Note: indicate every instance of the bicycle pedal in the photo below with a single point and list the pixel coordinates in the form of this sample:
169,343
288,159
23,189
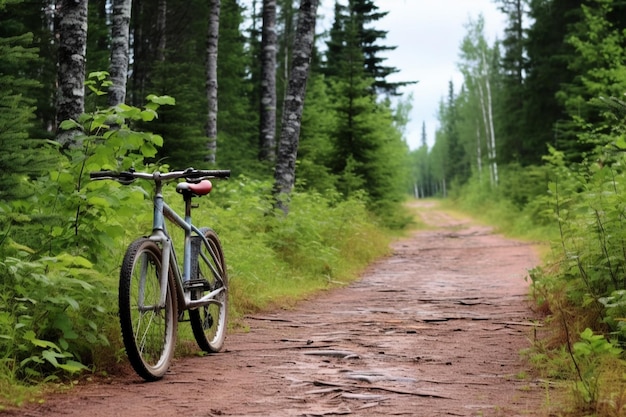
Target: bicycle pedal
198,284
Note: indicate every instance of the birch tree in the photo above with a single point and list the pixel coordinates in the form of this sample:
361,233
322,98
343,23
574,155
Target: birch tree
477,57
120,40
211,79
72,33
269,43
284,174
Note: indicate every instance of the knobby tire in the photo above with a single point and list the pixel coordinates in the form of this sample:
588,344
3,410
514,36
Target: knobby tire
148,331
209,322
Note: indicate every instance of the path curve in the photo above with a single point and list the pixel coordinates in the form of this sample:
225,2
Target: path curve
433,330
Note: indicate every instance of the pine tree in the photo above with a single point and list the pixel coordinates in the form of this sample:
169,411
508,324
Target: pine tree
599,41
38,18
238,116
21,157
512,99
361,15
549,57
180,73
316,146
457,164
366,140
366,13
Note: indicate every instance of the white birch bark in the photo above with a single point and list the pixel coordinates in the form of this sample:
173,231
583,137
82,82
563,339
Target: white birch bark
269,45
483,109
72,35
492,135
479,153
211,80
285,172
120,39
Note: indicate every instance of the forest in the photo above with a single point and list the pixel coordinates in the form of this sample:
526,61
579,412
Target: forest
313,133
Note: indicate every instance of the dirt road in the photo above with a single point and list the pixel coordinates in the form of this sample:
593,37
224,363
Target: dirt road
434,330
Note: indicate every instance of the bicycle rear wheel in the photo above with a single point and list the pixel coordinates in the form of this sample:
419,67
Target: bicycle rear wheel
209,322
148,329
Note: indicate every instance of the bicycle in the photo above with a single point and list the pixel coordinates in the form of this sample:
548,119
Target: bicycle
155,292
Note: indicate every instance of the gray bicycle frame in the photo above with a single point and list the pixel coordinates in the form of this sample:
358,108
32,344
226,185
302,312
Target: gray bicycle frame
159,235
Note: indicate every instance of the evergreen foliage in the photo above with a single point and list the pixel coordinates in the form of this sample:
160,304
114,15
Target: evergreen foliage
22,157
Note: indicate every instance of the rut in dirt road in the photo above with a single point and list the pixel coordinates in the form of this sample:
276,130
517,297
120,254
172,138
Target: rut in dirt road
433,330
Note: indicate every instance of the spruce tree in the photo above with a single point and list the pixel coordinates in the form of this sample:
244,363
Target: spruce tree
181,73
548,67
21,157
513,65
599,41
238,117
366,141
362,15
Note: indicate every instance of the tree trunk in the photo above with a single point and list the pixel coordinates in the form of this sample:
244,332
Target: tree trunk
492,137
492,134
284,174
479,153
161,26
269,44
120,39
211,79
72,33
483,109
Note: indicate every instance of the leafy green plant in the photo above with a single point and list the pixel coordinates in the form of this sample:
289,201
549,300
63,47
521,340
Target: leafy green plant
49,315
59,247
615,312
588,355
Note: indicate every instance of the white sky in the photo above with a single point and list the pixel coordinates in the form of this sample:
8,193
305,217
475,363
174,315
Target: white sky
428,35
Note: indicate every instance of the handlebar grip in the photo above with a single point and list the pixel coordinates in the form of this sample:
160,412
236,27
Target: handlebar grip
217,173
122,177
102,174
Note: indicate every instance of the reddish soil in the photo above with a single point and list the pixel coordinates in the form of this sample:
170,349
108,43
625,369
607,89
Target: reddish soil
433,330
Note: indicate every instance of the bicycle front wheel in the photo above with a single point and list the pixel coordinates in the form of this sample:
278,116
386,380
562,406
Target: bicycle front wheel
148,326
209,322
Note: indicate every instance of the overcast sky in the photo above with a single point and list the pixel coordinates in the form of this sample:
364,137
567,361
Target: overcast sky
428,35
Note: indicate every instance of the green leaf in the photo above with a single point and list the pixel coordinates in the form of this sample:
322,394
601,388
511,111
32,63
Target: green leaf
51,356
72,366
148,115
98,201
69,125
30,336
162,100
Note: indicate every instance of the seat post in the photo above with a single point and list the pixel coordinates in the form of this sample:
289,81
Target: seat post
188,206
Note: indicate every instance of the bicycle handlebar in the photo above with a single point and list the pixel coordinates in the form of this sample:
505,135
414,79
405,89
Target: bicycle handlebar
127,177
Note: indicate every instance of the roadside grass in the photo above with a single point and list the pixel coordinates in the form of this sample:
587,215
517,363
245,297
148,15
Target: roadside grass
584,373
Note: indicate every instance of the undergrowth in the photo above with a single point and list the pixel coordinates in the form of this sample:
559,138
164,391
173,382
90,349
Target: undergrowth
61,249
580,286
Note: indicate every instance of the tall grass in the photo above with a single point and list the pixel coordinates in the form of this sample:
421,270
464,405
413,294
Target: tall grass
275,260
580,287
